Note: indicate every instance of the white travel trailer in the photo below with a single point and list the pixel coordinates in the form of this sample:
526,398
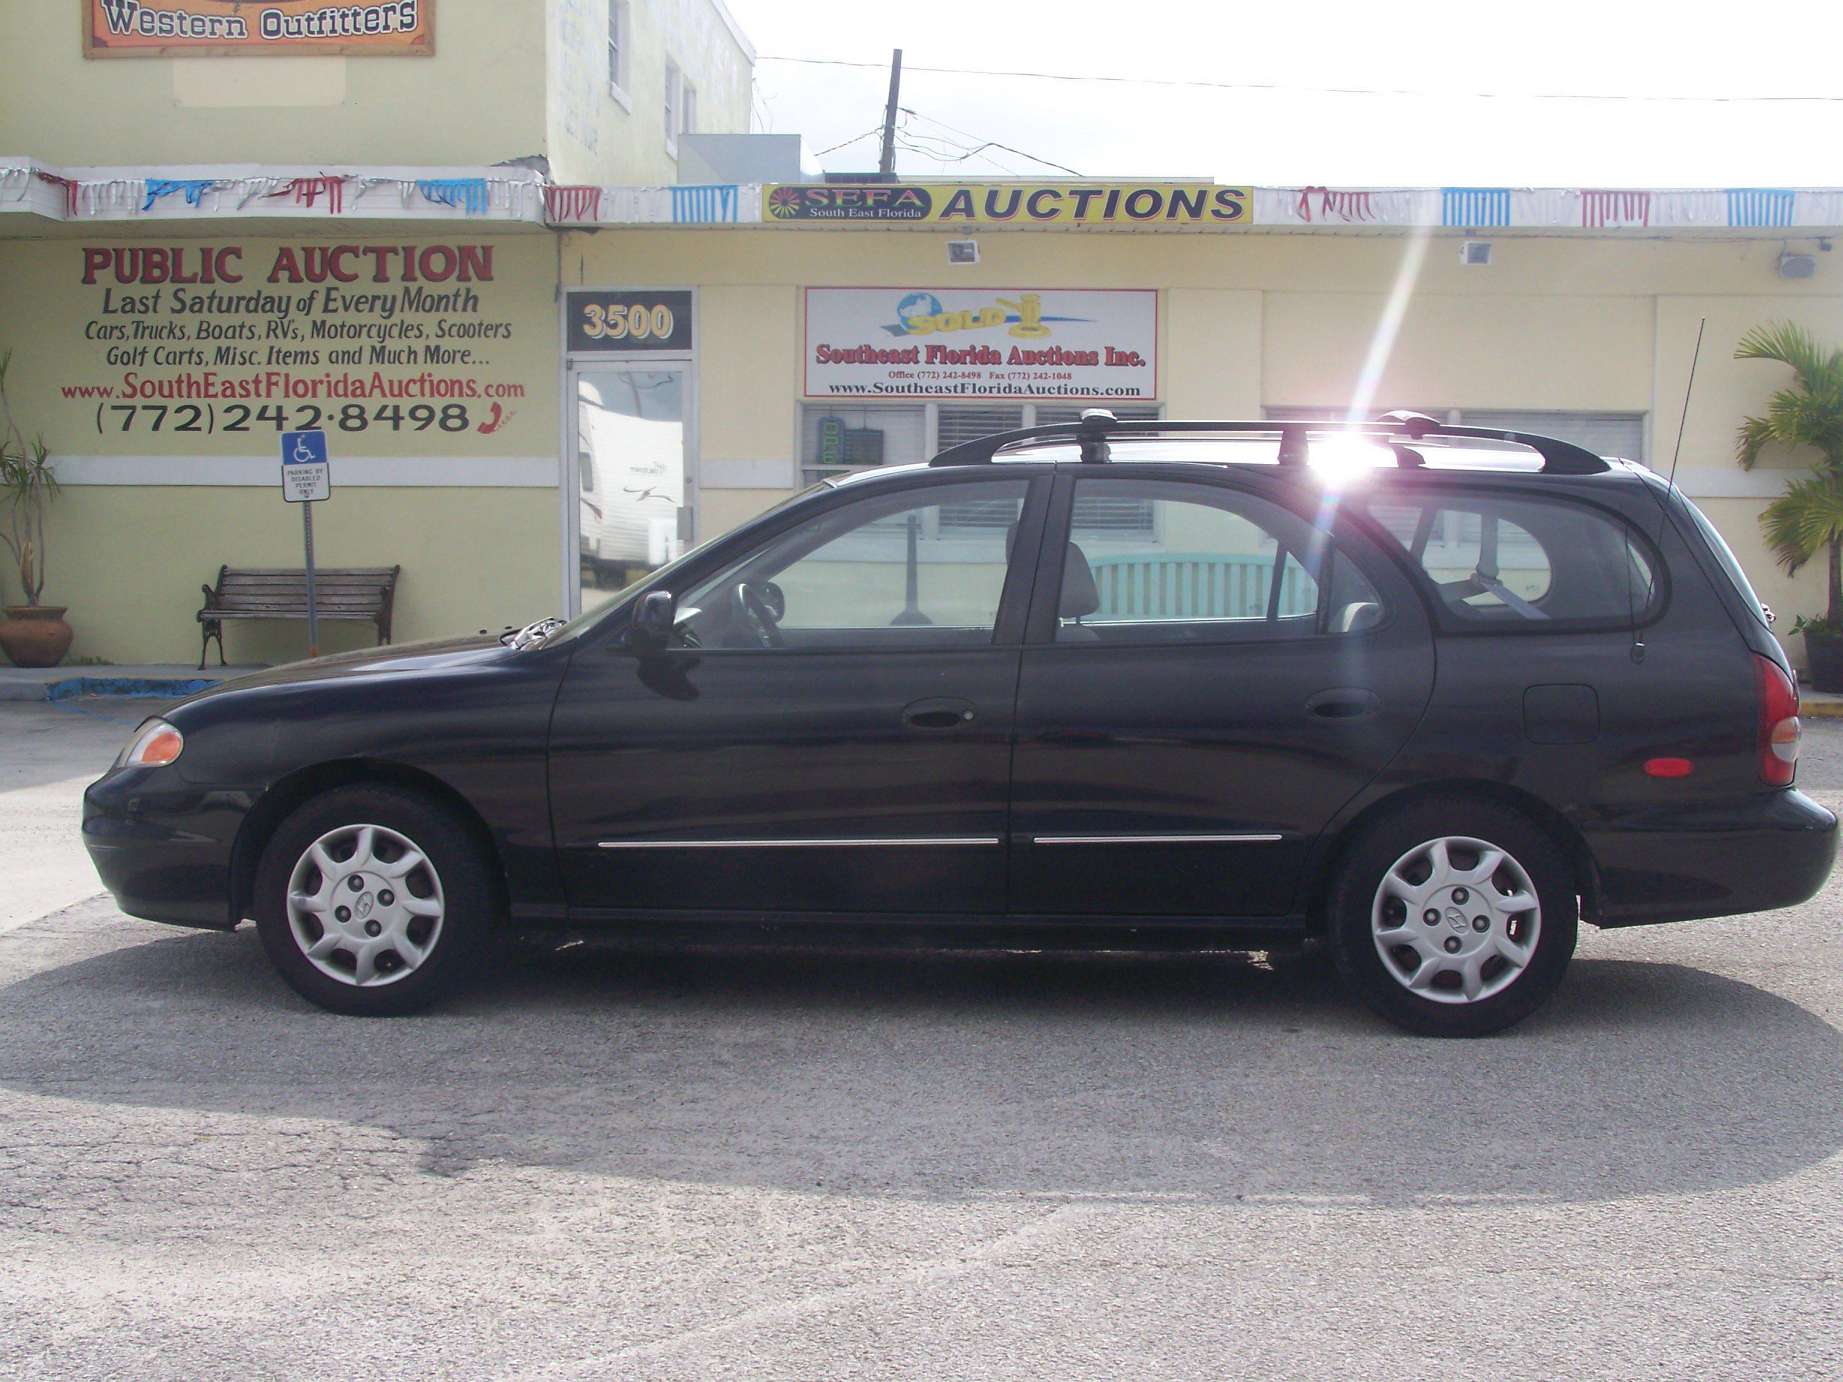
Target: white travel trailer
631,470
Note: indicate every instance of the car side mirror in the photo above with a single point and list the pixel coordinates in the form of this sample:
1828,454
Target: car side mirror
654,621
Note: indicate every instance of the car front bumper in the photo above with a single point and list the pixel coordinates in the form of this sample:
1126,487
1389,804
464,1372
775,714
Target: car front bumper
1774,850
164,846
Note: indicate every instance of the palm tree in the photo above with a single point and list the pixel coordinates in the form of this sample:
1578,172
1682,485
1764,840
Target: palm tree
1808,517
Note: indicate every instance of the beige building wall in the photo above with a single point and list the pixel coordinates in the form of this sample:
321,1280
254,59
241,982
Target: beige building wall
129,561
1462,352
1263,321
478,100
1247,322
149,512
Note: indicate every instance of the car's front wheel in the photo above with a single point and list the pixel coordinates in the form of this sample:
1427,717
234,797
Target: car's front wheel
1453,918
373,900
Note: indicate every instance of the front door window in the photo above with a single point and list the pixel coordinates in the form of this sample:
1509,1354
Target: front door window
908,570
632,514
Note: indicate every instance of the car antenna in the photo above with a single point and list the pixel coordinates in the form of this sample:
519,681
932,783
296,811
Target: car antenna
1670,486
1676,452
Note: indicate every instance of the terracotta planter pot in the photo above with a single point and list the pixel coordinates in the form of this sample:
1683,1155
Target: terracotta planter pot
35,635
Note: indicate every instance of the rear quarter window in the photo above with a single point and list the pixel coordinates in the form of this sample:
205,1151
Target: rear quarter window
1512,562
1726,560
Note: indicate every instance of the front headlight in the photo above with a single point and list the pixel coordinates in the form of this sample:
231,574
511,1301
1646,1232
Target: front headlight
155,744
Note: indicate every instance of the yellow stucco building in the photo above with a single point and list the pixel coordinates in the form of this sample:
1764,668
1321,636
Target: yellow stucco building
545,362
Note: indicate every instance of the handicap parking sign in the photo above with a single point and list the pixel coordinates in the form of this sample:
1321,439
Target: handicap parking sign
307,473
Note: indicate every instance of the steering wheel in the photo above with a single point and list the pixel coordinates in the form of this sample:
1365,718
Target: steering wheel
758,614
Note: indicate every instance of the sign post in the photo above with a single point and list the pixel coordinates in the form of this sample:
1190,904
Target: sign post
307,478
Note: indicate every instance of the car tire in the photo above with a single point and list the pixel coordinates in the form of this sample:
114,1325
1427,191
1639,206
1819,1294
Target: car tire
374,901
1470,958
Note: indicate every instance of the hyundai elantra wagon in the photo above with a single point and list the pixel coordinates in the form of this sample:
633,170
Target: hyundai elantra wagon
1428,695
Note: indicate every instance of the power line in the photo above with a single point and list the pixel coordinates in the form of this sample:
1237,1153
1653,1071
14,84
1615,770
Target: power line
874,129
944,150
932,120
961,152
968,151
903,142
994,144
1322,90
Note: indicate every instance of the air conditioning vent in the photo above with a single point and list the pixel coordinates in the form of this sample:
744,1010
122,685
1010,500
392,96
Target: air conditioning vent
1475,253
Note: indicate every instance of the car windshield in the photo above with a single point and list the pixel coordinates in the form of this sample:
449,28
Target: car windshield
592,618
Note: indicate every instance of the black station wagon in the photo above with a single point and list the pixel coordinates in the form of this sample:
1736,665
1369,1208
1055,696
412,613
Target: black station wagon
1429,695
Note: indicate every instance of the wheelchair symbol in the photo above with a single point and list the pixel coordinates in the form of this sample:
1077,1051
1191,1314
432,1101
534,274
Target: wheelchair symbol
302,451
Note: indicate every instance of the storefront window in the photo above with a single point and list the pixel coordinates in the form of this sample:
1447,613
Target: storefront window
837,439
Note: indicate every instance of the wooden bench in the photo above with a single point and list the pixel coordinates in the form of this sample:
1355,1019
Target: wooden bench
353,593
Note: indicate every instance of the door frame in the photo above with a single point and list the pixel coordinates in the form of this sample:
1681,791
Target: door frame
573,366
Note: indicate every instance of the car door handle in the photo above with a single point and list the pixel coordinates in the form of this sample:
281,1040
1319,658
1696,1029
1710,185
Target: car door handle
1343,703
939,713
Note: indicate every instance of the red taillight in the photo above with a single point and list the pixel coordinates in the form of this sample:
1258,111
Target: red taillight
1779,729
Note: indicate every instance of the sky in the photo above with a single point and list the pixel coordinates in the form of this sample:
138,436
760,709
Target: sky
1483,83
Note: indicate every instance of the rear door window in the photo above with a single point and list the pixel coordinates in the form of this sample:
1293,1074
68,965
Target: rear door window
1162,561
1514,562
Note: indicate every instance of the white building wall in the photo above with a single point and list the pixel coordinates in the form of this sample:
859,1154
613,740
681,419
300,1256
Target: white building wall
610,134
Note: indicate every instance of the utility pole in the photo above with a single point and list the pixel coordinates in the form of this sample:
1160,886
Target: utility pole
887,166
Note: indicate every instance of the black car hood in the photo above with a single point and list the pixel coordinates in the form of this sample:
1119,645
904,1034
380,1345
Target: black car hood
434,655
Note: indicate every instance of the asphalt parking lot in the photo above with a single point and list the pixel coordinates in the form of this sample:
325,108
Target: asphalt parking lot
607,1165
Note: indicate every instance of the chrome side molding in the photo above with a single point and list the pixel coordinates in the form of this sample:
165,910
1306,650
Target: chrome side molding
912,842
1156,839
952,841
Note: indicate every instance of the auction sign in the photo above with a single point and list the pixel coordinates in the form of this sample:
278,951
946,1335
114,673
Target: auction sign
1021,343
212,347
244,28
1198,204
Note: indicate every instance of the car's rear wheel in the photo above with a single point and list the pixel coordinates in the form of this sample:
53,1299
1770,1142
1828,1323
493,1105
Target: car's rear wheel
373,900
1453,917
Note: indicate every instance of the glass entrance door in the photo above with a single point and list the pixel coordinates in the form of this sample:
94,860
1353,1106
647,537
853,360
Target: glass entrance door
634,506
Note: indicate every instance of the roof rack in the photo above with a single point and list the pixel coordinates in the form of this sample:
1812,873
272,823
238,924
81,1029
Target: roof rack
1391,429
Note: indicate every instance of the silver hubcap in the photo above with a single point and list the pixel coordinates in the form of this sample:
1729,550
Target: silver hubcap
1456,920
365,905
